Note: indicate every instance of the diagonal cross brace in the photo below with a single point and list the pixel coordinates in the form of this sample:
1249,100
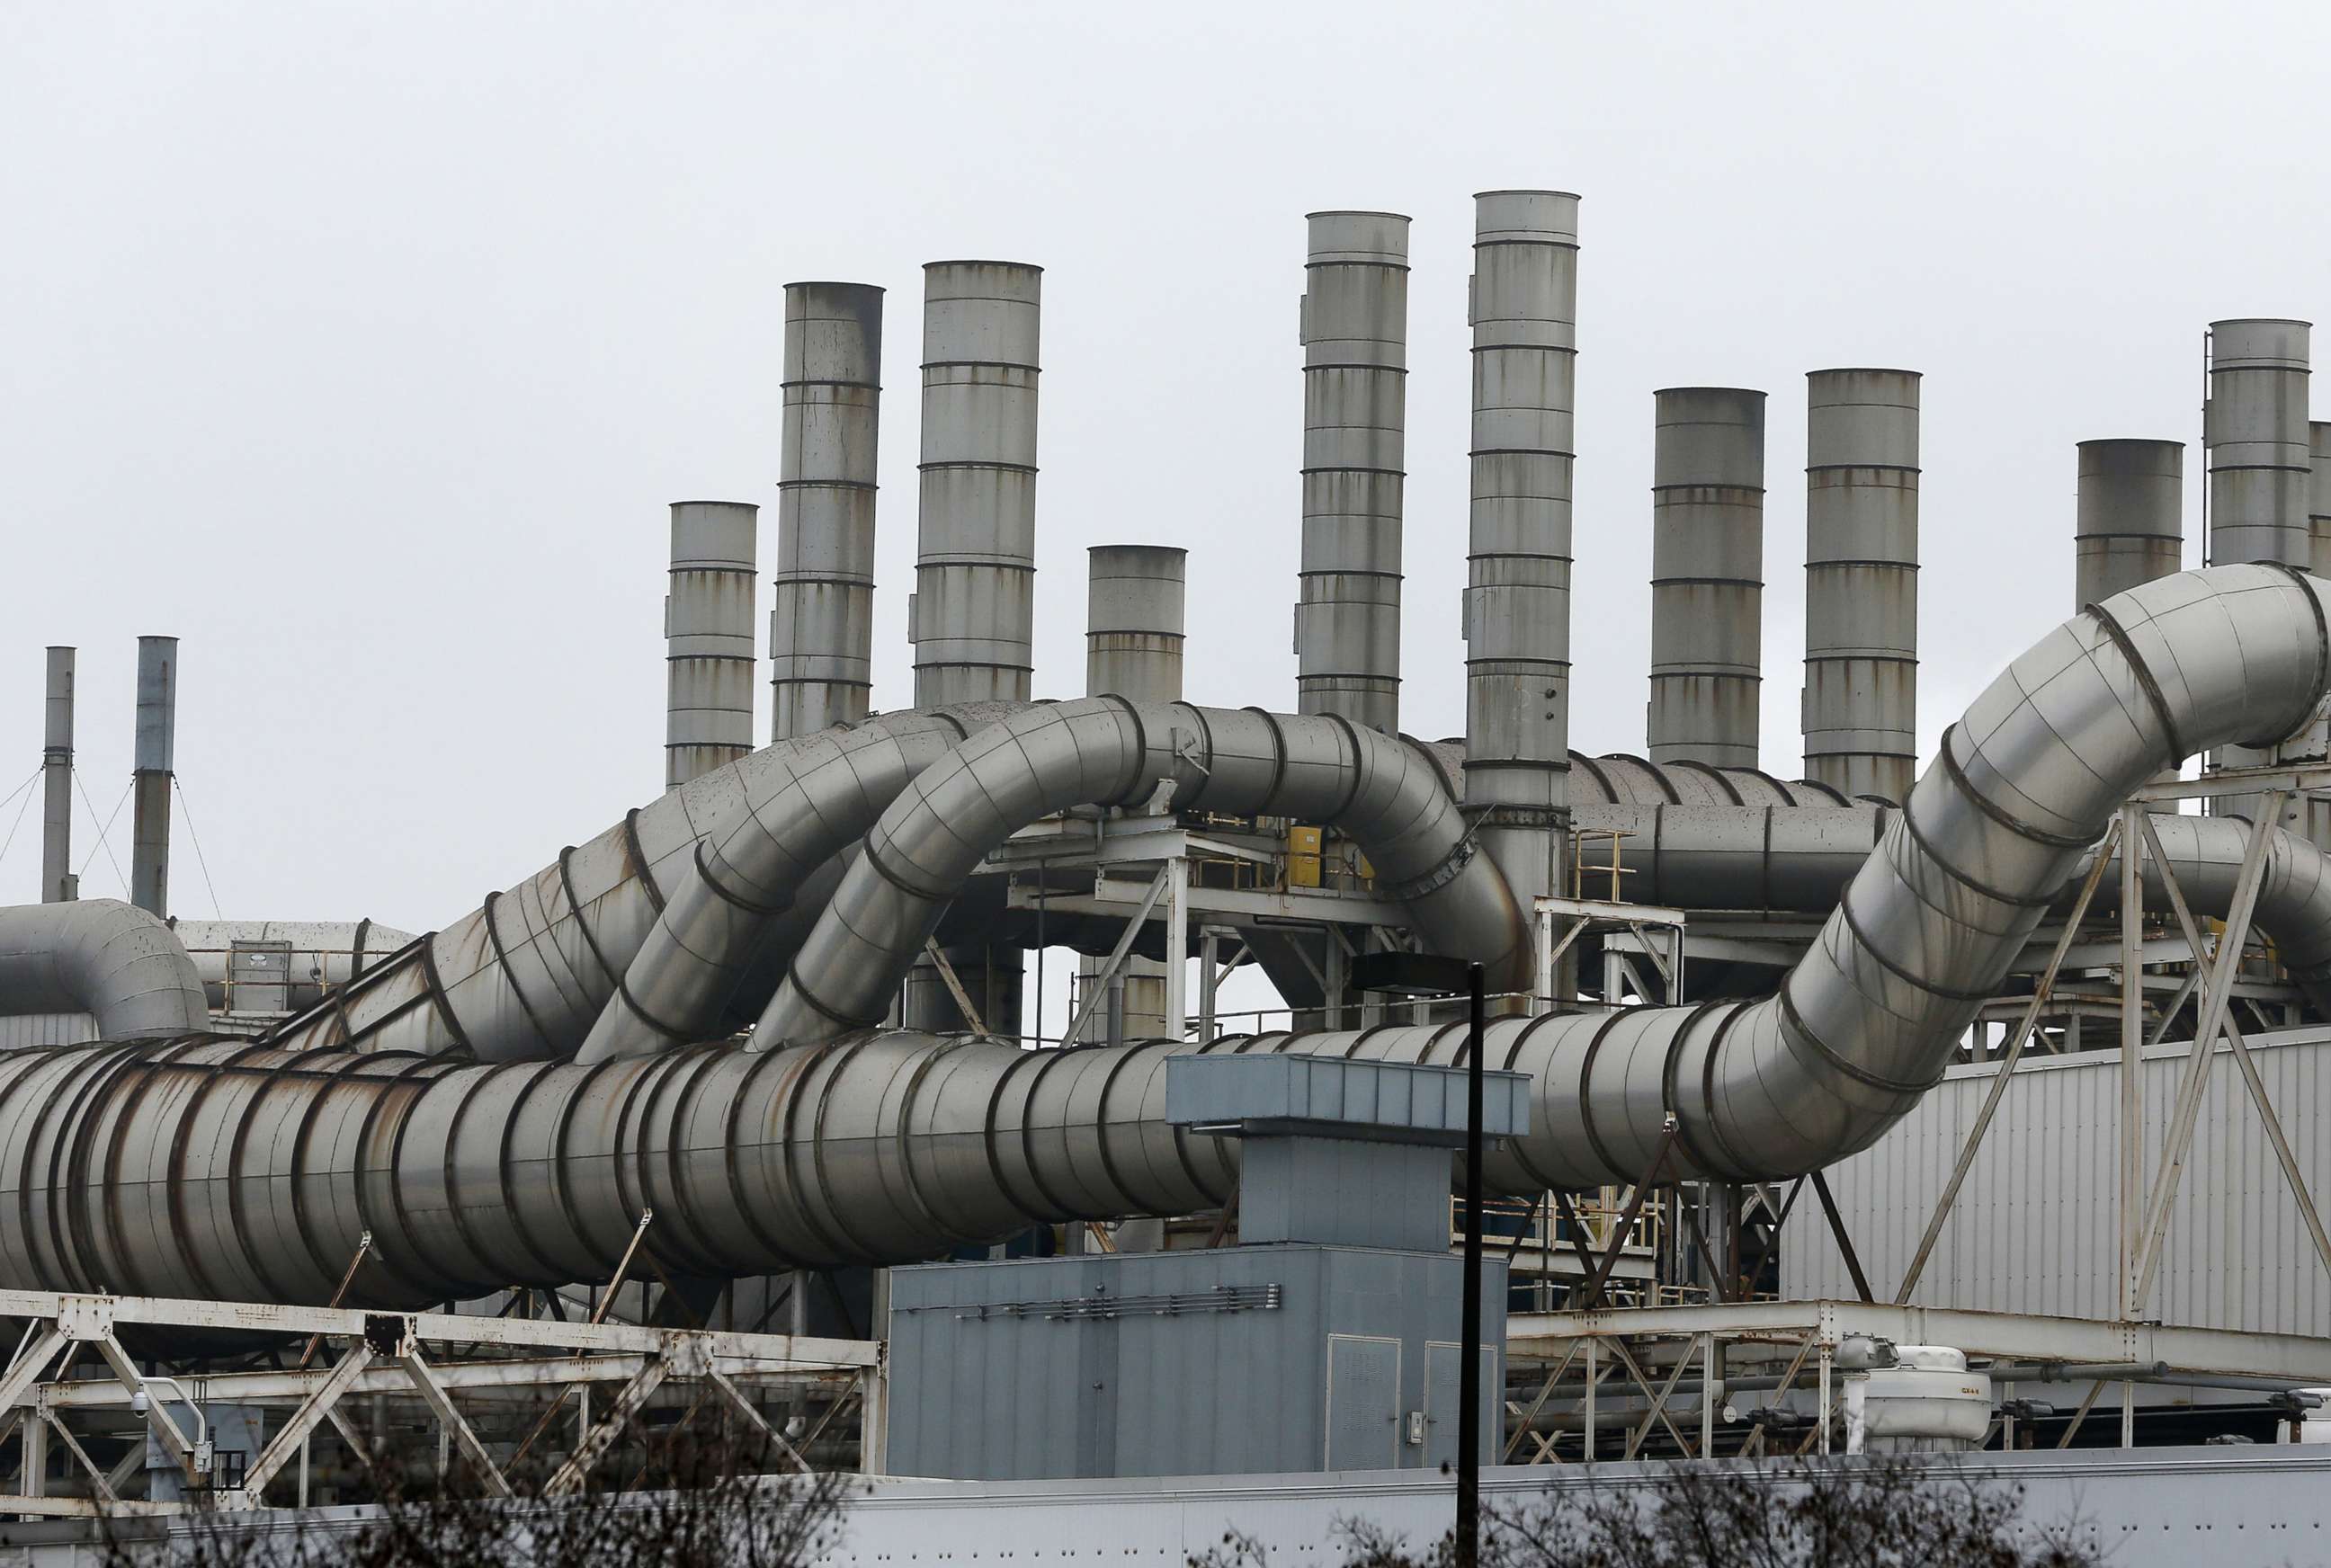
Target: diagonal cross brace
569,1477
441,1405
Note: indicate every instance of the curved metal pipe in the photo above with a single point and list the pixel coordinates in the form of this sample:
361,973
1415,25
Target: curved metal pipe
103,957
1108,752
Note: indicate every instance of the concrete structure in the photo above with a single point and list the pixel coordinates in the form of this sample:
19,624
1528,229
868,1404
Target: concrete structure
1862,581
707,627
1355,338
1524,310
58,882
153,780
821,619
1708,576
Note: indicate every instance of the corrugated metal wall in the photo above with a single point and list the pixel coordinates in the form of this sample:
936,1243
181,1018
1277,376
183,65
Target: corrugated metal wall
23,1029
2035,1228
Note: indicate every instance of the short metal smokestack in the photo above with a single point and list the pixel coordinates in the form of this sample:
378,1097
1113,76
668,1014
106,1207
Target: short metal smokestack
2130,526
2318,507
58,883
707,627
1516,605
1708,574
2260,470
972,618
1355,337
1133,648
155,759
822,625
1861,704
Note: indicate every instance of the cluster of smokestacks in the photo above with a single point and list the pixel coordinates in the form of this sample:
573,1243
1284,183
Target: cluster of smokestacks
154,760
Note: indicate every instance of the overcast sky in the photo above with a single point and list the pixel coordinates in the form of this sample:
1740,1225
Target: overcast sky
362,346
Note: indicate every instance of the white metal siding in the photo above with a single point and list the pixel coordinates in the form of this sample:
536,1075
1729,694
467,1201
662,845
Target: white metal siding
2036,1227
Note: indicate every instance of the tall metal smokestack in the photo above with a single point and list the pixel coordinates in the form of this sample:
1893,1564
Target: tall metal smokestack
707,628
58,883
155,760
2318,507
822,625
1708,574
2260,470
2130,526
1516,606
972,618
1355,335
1861,713
1133,648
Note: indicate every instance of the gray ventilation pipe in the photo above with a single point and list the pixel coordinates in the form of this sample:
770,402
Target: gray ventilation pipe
2130,523
320,954
1860,716
1354,330
1708,574
110,960
1384,793
1524,310
821,622
150,783
973,616
58,883
707,628
2260,470
895,1146
2318,506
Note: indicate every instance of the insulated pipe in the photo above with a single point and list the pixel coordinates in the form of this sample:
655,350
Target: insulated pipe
103,957
2130,517
1861,580
1354,329
822,624
707,628
323,952
58,883
972,618
1708,574
150,783
1524,309
1384,793
2260,470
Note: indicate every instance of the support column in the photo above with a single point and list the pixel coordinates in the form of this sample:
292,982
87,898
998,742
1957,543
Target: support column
150,783
707,628
1708,576
58,883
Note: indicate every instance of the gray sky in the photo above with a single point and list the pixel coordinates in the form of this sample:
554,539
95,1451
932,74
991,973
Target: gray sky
362,347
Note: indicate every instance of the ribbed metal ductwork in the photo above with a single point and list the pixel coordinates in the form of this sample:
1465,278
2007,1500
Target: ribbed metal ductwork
1708,576
320,954
1861,714
2129,526
58,883
2260,471
973,616
707,628
1385,794
111,960
154,758
822,620
1355,335
1524,310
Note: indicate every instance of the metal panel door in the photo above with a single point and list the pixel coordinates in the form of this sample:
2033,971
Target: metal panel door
1442,1399
1363,1402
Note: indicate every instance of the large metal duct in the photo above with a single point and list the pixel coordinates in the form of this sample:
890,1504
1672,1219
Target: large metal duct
707,628
111,960
973,616
1384,793
151,782
256,1183
2129,525
822,625
319,954
1133,649
1860,699
1708,574
1354,331
2260,470
58,883
1524,309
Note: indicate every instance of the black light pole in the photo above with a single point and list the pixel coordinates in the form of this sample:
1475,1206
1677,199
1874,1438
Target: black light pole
1468,1387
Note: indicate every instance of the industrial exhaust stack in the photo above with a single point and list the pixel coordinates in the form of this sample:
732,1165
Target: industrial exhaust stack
1355,338
1861,712
1708,574
821,626
1517,614
2130,526
155,758
707,625
2318,507
58,883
